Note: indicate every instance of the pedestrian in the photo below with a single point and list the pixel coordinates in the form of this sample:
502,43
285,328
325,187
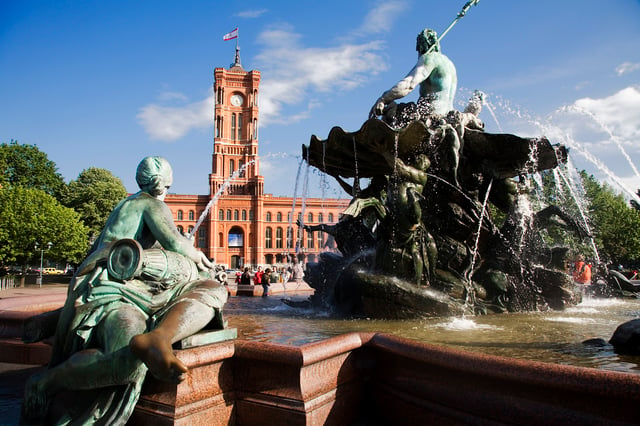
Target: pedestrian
257,277
245,279
297,273
264,280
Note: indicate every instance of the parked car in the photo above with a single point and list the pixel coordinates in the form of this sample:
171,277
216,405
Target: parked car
52,271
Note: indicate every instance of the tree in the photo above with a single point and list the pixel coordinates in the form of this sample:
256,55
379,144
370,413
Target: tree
616,224
27,166
29,216
93,195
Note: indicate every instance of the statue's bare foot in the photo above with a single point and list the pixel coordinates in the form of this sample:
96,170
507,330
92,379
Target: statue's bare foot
36,399
156,352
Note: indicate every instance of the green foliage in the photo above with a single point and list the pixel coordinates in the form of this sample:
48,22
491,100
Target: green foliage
27,166
29,216
93,195
616,224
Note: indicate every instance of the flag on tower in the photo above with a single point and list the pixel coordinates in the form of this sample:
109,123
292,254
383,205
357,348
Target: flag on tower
230,36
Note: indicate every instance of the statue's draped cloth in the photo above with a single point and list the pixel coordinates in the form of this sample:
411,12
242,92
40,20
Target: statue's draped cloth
92,297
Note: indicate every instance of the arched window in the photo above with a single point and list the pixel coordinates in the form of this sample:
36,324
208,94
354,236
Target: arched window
244,215
279,237
240,126
229,214
267,238
330,217
191,216
189,229
220,214
220,239
320,239
236,215
320,217
289,217
250,214
179,214
310,218
180,229
268,219
310,239
279,217
299,216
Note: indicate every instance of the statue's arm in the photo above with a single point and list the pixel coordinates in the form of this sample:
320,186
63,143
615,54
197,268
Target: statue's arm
158,218
417,75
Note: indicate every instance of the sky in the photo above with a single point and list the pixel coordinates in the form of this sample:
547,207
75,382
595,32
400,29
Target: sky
97,83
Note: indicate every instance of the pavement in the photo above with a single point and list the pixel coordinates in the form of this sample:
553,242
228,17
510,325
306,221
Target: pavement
16,304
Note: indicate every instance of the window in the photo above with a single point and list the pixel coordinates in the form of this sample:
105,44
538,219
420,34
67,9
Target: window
310,239
279,217
279,237
250,214
202,234
180,229
236,215
310,218
320,239
299,217
232,167
233,127
191,215
179,214
330,217
239,126
229,214
190,229
320,217
268,219
220,214
267,237
289,217
244,215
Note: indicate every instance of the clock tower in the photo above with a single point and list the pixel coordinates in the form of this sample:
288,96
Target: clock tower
235,144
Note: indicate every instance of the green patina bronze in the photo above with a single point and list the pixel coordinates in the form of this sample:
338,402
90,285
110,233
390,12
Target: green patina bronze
143,288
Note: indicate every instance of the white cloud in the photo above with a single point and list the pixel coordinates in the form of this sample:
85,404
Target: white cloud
171,123
251,13
627,67
292,71
380,19
619,113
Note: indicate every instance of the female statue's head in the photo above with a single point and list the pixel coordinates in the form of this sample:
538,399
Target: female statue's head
427,38
154,175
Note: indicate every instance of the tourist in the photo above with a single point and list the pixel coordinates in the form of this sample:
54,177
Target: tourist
257,277
297,273
113,329
275,276
286,274
582,271
264,280
245,279
434,73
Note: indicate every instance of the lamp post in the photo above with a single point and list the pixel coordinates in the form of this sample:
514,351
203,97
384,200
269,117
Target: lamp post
42,249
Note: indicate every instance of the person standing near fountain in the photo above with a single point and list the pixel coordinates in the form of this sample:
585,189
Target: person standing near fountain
434,73
113,329
582,271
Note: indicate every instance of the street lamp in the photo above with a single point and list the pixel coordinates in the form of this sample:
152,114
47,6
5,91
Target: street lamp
42,249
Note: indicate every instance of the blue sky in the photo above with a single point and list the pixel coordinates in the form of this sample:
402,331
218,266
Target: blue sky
105,83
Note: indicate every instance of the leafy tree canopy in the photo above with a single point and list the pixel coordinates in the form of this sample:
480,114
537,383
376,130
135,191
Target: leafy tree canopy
29,216
93,195
27,166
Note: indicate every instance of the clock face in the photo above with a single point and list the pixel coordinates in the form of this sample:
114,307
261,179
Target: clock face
236,100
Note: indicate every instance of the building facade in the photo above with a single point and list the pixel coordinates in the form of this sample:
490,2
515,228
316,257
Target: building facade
244,226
